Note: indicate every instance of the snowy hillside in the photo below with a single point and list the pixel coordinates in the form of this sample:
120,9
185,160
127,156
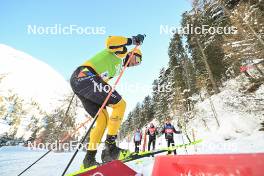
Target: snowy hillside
240,115
29,88
30,77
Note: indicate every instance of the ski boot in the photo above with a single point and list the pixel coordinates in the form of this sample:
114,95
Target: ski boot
111,151
136,149
174,151
89,159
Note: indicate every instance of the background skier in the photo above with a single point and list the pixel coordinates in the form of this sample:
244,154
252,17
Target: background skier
168,130
152,133
137,139
95,73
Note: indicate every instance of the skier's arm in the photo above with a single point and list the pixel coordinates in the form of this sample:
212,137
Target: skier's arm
176,132
117,44
156,132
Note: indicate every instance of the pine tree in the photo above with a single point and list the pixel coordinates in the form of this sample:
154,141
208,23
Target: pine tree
58,124
247,44
147,109
14,113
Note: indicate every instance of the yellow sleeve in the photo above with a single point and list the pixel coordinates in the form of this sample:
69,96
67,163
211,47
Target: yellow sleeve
117,45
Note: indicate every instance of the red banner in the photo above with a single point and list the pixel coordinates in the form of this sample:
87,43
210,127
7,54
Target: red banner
114,168
210,165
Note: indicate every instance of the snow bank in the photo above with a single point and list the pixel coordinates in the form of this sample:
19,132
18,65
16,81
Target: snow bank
4,127
239,115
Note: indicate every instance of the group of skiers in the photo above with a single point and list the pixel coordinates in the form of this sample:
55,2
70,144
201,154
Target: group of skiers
152,132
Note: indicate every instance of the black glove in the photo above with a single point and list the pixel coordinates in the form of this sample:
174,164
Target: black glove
138,40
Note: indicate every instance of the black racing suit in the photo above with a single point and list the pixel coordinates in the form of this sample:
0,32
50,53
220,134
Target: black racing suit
84,88
152,132
168,130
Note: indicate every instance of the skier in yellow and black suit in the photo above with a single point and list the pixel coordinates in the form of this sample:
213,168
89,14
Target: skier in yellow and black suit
88,82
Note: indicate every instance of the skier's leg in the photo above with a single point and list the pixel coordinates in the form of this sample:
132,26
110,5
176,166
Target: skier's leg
137,144
95,138
111,151
173,145
149,143
153,144
168,144
98,131
116,117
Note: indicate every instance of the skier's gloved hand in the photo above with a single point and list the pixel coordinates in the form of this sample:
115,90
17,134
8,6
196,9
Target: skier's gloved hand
138,40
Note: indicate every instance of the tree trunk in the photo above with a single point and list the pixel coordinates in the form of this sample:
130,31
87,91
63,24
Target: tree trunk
211,77
214,111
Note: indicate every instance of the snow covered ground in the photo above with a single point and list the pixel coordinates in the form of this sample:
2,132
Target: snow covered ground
15,159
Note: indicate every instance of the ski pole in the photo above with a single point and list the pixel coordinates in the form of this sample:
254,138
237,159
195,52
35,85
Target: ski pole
184,145
66,114
99,111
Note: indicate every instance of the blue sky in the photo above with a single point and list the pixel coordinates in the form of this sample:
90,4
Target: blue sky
65,52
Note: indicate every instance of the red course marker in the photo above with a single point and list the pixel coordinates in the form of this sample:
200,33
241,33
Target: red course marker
210,165
113,168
